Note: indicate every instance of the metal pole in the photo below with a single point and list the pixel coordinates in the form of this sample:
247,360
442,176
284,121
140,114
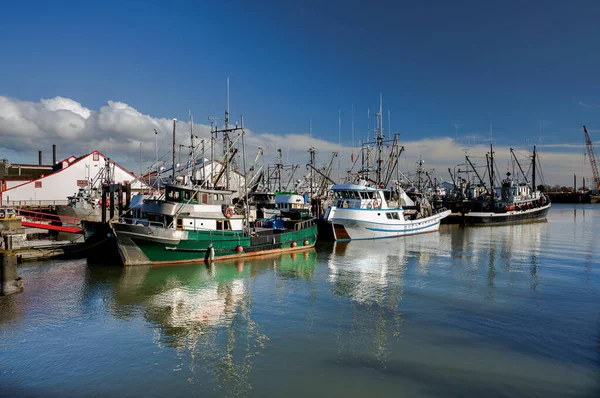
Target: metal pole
174,126
246,208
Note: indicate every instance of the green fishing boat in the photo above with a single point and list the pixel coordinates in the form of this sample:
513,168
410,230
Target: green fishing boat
192,225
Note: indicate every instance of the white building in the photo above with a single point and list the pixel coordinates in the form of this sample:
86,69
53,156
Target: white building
70,174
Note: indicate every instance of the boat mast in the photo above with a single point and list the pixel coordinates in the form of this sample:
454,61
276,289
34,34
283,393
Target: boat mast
533,171
492,171
226,140
156,150
174,126
192,158
512,151
246,208
379,136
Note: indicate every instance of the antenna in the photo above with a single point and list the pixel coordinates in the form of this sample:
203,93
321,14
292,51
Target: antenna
389,122
310,126
228,95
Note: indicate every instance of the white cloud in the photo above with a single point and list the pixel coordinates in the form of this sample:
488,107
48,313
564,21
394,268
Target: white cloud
117,129
586,105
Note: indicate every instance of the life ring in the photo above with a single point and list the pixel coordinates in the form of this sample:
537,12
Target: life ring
375,204
229,212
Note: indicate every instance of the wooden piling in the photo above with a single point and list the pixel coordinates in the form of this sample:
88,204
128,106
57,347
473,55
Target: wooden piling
103,205
10,282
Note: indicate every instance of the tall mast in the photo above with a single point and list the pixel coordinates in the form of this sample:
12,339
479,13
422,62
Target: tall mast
212,152
192,157
246,208
174,126
226,140
203,169
156,150
379,137
492,191
311,151
533,170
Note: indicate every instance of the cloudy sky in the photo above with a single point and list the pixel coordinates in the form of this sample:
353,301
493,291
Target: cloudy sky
105,75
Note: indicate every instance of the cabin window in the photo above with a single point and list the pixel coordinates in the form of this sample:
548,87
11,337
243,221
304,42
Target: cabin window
228,225
388,215
395,216
204,198
219,225
215,197
179,224
187,195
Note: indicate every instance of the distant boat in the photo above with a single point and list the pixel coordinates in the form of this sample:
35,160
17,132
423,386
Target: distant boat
362,212
512,202
289,204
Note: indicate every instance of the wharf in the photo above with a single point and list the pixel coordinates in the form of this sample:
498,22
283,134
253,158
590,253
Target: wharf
58,250
32,244
569,197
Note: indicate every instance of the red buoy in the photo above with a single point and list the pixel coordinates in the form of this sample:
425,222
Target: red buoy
239,249
293,244
305,243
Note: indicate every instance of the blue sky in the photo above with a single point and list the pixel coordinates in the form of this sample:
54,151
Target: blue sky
517,66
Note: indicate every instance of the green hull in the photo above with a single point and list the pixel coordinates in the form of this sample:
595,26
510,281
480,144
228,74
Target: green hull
226,246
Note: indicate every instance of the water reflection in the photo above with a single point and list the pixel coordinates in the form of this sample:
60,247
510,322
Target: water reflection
371,275
204,312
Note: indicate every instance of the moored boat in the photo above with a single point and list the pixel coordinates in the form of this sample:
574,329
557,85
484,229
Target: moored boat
511,202
362,212
193,225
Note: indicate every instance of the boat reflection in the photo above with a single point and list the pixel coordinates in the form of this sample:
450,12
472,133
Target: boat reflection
204,312
371,274
511,248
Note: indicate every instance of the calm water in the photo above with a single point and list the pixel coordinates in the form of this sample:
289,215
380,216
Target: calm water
502,311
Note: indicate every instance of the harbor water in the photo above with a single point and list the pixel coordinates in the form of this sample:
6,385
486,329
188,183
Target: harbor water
477,311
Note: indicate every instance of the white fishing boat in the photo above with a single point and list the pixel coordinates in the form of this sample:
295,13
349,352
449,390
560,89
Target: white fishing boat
288,203
362,212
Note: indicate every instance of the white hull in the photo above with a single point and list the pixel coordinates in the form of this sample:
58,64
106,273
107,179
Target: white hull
351,224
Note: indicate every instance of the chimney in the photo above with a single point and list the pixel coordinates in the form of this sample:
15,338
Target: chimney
40,157
53,154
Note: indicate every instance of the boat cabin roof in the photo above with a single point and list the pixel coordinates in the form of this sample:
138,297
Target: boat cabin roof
354,187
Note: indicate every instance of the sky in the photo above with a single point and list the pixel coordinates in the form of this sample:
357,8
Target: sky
453,76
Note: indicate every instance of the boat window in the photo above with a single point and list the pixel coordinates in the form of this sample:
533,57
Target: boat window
388,215
395,216
215,197
219,225
205,198
187,195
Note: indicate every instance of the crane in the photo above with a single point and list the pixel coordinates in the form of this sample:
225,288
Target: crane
590,148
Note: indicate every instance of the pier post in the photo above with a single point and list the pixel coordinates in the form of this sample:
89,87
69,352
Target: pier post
120,203
9,279
103,205
127,195
111,203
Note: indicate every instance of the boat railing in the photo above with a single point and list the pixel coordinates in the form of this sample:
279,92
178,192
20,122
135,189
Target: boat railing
146,223
304,224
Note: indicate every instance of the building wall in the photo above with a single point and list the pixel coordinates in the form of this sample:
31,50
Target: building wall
56,187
